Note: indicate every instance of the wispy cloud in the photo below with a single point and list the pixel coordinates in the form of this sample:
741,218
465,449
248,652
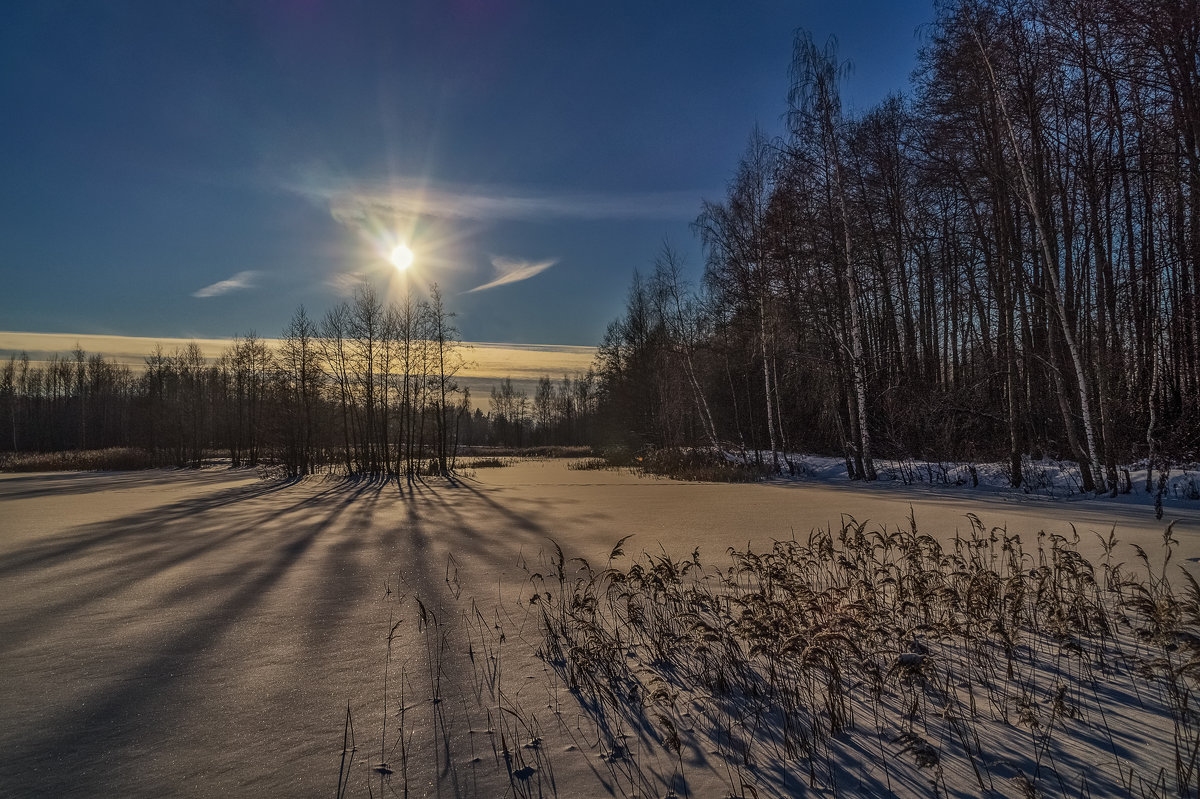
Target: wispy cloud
344,283
352,203
511,270
242,280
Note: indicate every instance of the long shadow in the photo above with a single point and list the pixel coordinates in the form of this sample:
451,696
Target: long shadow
522,522
414,536
149,521
66,483
113,556
69,748
235,555
339,562
412,541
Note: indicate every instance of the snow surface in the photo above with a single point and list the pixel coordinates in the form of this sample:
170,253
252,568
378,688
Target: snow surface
203,633
1042,476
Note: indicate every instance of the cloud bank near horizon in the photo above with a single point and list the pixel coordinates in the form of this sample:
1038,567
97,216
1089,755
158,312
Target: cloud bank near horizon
485,360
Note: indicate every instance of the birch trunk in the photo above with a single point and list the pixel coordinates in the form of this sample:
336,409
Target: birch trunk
858,365
762,338
710,429
1051,263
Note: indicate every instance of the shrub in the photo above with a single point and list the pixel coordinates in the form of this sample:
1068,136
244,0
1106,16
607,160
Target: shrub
703,465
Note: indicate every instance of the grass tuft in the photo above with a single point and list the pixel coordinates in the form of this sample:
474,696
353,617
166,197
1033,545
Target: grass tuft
486,463
590,465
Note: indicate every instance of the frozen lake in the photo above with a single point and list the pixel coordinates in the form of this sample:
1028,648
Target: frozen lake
201,633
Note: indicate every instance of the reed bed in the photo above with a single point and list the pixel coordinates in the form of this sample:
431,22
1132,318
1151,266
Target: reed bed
866,663
111,459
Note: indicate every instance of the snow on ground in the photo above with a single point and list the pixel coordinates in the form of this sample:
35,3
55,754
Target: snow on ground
1042,476
201,633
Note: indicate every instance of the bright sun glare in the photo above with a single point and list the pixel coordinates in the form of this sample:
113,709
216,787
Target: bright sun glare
401,257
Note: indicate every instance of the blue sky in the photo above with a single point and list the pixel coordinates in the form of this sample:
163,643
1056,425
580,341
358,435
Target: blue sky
201,168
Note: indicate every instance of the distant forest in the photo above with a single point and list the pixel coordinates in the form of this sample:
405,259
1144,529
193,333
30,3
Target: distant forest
370,388
1005,264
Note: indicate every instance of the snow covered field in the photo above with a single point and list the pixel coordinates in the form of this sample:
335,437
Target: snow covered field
203,633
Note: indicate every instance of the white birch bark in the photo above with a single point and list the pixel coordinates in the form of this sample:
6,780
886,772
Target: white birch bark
762,338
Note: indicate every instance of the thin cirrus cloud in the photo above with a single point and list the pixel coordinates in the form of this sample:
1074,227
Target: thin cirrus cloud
242,280
511,270
351,203
344,283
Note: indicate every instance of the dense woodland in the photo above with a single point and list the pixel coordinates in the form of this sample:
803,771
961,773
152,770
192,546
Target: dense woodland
370,388
1003,265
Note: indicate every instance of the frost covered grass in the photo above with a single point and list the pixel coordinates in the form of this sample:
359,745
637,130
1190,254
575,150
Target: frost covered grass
864,662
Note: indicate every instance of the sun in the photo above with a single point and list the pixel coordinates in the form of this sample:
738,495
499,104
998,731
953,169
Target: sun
401,257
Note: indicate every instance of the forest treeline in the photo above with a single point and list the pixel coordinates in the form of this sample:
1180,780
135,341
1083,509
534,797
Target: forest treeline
1004,264
370,388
